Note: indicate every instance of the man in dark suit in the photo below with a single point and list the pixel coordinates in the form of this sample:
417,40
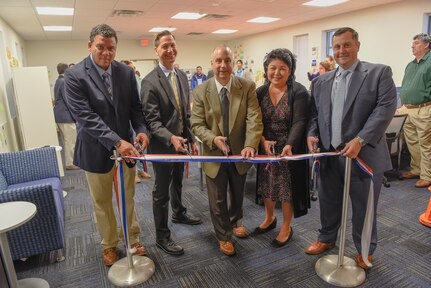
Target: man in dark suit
368,102
165,100
103,97
64,120
227,118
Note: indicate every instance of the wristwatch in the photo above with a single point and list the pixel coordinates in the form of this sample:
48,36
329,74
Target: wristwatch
118,144
361,141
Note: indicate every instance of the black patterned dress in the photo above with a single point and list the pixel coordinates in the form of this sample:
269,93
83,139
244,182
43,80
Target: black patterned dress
274,180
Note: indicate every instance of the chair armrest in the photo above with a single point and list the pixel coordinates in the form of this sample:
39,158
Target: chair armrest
29,165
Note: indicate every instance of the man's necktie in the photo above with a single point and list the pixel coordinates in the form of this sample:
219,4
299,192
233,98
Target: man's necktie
177,96
105,78
340,93
225,111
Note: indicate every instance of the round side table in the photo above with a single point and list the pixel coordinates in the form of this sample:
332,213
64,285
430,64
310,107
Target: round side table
13,215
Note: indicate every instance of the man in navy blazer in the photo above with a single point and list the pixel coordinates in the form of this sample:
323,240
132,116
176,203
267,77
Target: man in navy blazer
165,100
103,97
369,105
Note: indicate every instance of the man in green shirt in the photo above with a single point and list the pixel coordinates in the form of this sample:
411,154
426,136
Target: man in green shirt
416,99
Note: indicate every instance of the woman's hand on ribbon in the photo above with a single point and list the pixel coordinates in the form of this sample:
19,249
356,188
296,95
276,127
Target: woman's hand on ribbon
287,151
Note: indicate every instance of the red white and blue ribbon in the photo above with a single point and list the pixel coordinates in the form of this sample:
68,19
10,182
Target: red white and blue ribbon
369,216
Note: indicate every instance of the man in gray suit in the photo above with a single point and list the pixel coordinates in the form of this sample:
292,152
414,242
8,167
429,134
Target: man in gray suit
165,101
103,97
368,102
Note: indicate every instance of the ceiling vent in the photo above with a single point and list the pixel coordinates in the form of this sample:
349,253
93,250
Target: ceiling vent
127,13
195,33
215,17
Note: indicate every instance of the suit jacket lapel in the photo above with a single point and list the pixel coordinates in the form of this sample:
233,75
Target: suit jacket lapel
164,83
214,100
236,95
356,81
94,75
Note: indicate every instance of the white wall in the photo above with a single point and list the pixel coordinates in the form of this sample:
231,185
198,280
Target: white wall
385,33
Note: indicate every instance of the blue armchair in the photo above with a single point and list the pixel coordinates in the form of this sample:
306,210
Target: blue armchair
33,176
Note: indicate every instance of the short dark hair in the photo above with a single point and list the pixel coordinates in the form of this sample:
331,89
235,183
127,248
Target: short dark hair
127,62
61,67
103,30
160,35
284,55
239,60
424,38
198,67
343,30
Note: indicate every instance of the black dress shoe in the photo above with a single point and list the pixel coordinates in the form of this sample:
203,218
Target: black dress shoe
170,247
187,219
259,230
277,244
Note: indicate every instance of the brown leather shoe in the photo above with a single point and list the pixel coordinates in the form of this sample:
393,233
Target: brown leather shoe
110,256
318,247
137,179
227,248
240,232
144,175
72,167
140,249
422,183
409,175
361,262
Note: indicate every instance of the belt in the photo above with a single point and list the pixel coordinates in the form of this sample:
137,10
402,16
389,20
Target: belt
411,106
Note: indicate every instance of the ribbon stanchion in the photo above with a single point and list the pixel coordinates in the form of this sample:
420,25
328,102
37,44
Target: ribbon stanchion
130,270
337,269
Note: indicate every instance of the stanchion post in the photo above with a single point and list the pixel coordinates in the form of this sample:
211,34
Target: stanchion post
131,270
339,270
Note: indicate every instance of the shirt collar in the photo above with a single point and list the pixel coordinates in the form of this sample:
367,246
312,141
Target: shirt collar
423,58
166,70
100,70
351,68
219,86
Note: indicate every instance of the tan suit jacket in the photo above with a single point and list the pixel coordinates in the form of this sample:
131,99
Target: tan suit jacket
245,120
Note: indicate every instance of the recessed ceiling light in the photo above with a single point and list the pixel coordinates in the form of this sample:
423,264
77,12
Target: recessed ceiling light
160,29
54,11
57,28
224,31
324,3
188,16
263,20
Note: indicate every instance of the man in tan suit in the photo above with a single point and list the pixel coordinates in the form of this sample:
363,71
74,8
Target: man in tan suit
226,117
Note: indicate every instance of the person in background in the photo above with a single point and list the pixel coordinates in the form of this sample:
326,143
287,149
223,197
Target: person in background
351,108
64,119
331,61
285,111
241,72
416,98
165,94
71,65
103,97
325,66
198,78
140,173
227,118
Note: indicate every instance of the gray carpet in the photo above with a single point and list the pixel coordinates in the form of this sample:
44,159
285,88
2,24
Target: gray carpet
402,259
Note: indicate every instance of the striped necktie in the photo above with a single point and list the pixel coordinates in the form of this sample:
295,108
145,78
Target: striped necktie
337,108
177,96
105,78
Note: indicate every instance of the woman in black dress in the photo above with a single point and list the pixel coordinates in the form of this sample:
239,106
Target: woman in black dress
285,111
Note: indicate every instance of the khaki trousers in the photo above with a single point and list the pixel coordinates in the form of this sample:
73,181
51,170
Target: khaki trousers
68,136
417,133
101,191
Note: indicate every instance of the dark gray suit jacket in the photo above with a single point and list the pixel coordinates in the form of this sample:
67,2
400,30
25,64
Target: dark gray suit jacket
369,107
61,111
161,110
102,122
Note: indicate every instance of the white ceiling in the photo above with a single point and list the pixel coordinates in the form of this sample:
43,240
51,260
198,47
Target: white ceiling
22,17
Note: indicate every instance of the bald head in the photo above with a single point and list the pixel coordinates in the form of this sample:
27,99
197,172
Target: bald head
222,64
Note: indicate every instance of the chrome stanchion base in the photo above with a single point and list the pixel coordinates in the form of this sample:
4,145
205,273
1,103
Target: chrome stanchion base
347,275
33,283
121,275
